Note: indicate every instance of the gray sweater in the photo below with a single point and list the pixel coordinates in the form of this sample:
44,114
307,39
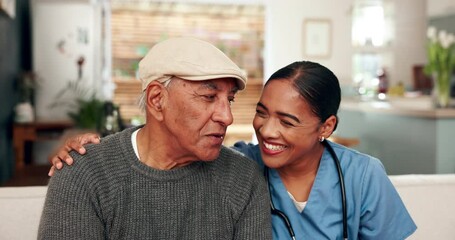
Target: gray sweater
109,194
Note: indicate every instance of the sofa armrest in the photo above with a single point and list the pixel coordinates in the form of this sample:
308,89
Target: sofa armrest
20,211
429,199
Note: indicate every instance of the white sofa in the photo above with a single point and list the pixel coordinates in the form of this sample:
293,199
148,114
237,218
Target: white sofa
20,211
429,199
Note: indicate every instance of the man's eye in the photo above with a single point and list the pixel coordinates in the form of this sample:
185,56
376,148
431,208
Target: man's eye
231,100
209,97
260,113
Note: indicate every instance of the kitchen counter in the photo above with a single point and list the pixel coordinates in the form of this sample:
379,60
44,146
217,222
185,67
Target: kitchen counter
408,135
416,106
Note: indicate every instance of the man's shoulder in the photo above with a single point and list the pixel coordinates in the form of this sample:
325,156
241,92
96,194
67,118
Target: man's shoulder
233,169
108,158
238,179
113,146
232,158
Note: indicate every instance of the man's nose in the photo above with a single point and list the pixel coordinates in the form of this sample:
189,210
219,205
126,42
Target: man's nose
222,113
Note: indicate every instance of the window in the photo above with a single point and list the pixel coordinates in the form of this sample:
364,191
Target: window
235,29
372,38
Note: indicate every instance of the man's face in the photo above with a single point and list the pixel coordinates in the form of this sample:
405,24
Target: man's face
197,116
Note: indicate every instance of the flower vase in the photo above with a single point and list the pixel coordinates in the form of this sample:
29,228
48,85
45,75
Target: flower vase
441,89
24,113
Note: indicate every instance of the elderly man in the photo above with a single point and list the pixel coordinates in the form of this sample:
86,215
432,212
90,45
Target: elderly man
171,178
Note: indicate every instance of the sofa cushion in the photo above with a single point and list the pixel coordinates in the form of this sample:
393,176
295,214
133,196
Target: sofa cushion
20,211
429,199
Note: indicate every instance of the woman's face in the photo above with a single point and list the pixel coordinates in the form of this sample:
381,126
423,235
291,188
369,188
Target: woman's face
286,128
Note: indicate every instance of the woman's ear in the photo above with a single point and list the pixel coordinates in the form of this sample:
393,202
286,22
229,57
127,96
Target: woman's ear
156,95
328,126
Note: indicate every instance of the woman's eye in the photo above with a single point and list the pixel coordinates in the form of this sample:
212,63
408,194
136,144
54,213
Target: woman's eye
286,123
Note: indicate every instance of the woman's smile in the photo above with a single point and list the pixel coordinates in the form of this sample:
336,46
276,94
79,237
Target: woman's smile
272,149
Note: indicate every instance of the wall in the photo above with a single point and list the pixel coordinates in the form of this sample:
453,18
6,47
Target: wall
62,33
410,39
14,58
439,8
8,71
283,34
283,37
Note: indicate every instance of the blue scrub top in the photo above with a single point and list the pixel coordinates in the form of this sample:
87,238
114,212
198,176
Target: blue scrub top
374,208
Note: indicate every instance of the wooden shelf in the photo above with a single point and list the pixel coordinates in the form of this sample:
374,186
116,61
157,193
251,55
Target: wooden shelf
35,131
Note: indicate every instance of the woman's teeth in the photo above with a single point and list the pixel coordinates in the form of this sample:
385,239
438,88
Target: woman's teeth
274,147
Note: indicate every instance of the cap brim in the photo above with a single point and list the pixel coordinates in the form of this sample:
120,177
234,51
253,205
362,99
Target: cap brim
240,81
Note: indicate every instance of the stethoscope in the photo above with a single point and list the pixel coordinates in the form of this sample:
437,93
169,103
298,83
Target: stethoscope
342,190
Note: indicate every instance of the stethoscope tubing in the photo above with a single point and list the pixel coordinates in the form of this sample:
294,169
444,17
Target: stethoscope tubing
342,191
342,187
276,211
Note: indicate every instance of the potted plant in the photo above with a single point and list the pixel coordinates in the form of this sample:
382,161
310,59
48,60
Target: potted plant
441,63
24,109
86,109
88,112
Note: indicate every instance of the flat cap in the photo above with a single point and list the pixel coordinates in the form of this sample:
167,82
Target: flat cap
190,59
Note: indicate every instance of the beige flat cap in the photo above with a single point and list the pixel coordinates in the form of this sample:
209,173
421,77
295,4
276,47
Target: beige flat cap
190,59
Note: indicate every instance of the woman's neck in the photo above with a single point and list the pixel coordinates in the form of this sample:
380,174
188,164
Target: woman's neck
298,178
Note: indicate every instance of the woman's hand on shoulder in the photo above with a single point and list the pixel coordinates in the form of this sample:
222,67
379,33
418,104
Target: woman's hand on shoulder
75,143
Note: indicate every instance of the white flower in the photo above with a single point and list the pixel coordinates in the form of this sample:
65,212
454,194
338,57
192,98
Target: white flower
443,39
440,51
431,33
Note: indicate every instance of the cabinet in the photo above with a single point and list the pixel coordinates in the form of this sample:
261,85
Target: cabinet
33,132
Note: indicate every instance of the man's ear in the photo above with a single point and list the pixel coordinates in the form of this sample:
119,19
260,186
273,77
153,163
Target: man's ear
156,95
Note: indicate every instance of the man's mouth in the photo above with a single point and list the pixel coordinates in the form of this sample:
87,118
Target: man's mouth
216,138
217,135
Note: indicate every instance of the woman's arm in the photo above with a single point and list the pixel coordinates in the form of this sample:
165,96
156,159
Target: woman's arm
75,143
384,215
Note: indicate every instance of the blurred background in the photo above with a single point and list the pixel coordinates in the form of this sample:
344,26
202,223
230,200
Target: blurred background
69,66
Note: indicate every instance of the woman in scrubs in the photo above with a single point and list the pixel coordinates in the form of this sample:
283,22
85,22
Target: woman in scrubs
295,115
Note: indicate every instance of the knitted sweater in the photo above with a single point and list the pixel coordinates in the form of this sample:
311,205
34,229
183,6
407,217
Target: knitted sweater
109,194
